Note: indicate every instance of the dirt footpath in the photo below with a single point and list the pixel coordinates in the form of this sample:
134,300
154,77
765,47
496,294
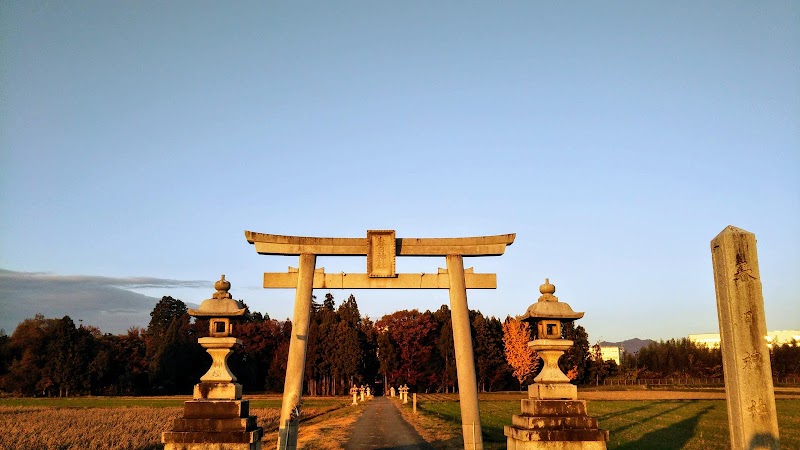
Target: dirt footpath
382,427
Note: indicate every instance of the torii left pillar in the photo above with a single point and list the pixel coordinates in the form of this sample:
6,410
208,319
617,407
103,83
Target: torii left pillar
295,365
380,247
465,359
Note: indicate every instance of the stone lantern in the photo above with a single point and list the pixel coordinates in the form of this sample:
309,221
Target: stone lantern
404,393
217,417
552,416
220,309
547,317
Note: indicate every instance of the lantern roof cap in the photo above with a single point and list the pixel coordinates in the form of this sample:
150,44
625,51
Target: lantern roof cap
221,304
548,306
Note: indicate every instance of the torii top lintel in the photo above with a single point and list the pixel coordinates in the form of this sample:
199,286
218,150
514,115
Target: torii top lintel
381,248
276,244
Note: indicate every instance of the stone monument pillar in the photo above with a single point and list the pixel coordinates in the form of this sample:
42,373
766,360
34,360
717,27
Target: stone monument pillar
752,417
552,416
217,417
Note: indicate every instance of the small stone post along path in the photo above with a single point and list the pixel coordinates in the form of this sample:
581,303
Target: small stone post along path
382,427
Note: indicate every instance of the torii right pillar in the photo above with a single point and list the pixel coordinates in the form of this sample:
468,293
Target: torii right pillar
752,418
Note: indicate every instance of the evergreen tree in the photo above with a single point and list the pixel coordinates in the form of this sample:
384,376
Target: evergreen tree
786,359
577,359
164,312
173,355
368,342
448,375
5,354
490,361
348,312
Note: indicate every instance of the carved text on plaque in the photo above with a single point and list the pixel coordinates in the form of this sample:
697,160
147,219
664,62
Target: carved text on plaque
381,254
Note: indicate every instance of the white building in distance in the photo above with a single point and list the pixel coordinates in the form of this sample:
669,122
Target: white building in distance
610,354
711,340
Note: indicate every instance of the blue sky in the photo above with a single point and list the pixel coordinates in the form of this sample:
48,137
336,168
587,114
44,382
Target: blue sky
139,139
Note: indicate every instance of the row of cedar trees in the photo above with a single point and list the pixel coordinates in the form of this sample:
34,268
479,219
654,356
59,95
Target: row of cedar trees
682,358
54,357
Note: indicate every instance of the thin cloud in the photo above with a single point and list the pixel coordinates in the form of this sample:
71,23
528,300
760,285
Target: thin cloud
107,302
119,282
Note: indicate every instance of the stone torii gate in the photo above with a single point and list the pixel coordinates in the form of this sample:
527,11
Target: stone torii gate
381,248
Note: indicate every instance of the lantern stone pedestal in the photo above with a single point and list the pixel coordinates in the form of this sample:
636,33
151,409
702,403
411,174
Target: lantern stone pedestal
552,417
218,383
551,383
217,418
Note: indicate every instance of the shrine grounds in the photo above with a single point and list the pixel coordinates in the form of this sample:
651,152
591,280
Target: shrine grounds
652,419
638,419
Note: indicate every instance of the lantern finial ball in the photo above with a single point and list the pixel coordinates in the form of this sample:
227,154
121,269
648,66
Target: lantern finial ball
222,286
547,288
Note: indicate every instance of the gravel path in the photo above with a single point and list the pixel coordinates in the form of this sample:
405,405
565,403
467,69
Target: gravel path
382,427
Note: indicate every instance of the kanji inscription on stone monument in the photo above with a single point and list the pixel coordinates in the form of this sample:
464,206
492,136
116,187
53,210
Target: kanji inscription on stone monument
745,358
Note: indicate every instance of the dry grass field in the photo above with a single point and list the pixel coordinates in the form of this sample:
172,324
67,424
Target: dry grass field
134,424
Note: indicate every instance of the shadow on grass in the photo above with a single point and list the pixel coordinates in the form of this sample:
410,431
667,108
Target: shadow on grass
623,412
493,435
675,436
643,420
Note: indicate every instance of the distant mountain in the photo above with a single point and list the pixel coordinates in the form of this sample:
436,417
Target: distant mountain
630,345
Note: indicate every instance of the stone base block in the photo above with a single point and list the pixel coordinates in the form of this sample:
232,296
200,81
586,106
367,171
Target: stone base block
512,444
553,391
559,408
217,391
219,409
569,435
214,425
203,441
554,425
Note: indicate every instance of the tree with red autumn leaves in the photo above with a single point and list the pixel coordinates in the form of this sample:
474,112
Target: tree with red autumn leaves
411,333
